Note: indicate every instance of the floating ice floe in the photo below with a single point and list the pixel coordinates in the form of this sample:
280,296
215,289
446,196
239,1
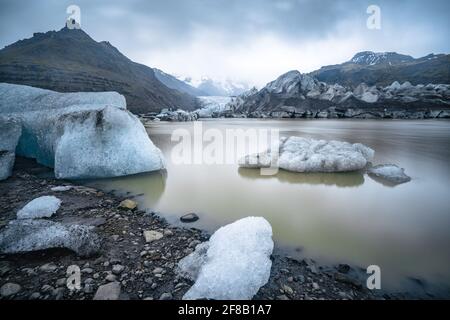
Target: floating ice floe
308,155
10,131
80,135
389,172
42,207
233,265
28,235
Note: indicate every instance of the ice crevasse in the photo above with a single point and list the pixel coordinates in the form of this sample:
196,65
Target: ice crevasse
80,135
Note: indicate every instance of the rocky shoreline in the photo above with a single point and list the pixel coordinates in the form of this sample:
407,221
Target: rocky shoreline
294,113
131,263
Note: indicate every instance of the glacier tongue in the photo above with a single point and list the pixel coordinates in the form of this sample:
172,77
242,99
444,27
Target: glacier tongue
233,265
81,135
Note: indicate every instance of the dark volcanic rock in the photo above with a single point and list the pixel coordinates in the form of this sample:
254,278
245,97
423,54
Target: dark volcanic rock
190,217
296,95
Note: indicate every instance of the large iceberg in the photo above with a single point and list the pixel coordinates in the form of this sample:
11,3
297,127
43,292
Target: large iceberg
233,265
80,135
10,131
309,155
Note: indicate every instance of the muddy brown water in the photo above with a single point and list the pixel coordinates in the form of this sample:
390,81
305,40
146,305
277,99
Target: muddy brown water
332,218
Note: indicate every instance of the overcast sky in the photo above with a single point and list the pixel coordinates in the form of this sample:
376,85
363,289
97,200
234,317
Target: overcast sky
249,40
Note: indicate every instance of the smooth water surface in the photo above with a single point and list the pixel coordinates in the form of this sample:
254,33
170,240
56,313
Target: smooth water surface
332,218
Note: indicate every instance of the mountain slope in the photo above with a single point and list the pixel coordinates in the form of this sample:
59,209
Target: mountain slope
70,60
382,69
174,83
305,96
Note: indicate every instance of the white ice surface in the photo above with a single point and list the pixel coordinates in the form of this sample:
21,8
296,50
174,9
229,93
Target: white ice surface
10,131
390,172
234,264
42,207
309,155
80,135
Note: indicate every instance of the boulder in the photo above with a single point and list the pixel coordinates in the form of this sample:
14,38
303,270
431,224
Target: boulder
21,236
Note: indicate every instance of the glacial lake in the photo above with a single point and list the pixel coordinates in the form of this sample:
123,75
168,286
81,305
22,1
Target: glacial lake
332,218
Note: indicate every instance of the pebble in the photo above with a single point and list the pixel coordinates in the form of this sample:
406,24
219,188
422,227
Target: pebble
9,289
152,235
88,288
166,296
48,267
287,289
157,270
47,289
118,269
87,270
35,296
190,217
58,293
168,233
128,204
194,243
110,291
111,278
5,268
61,282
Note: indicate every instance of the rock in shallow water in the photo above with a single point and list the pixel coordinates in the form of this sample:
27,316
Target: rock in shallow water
42,207
389,172
233,264
32,235
190,217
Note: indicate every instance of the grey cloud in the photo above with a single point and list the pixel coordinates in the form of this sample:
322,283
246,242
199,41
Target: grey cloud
139,26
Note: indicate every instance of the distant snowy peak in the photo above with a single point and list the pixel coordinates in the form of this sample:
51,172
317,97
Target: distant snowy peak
370,58
214,87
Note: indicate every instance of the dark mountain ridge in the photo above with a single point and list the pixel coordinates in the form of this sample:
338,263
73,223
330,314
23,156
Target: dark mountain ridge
382,69
70,60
